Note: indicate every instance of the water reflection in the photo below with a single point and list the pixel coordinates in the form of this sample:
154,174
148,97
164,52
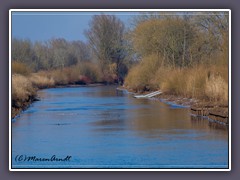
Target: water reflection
199,122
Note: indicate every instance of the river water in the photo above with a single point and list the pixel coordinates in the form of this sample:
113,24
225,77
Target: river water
99,127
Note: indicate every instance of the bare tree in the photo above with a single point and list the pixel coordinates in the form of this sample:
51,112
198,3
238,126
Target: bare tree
80,50
106,38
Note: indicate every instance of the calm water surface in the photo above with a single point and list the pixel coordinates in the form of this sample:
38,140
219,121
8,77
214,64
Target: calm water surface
99,127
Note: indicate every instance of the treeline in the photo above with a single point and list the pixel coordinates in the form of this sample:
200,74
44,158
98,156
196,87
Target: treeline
184,54
52,54
106,47
66,62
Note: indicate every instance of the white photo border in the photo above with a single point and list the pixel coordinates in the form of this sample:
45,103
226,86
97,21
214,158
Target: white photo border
117,10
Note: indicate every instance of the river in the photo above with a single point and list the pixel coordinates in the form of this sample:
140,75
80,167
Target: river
99,127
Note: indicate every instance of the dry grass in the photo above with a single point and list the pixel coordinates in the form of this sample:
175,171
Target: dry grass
202,82
91,71
41,81
25,86
84,73
140,77
189,82
22,90
216,88
59,76
133,80
20,68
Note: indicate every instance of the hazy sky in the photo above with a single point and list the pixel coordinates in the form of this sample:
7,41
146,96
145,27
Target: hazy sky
43,26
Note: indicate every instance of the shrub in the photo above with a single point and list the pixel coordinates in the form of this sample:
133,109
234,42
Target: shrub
91,71
82,73
20,68
41,81
174,82
59,77
141,77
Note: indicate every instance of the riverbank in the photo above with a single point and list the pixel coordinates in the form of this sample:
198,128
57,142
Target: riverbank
24,92
216,111
25,87
25,83
16,110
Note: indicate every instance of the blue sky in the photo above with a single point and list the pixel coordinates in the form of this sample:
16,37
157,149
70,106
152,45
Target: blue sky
42,26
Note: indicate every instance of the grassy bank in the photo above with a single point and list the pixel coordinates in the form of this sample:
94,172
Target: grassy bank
203,87
25,83
23,93
203,82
